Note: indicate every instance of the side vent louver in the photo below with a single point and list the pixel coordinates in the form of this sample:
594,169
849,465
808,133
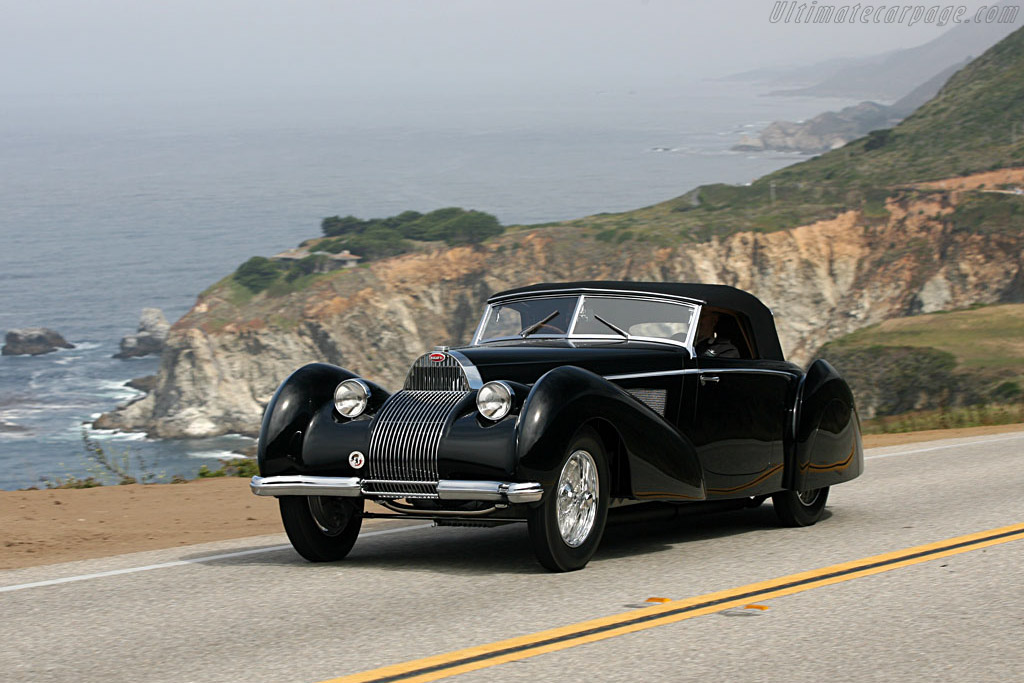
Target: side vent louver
652,398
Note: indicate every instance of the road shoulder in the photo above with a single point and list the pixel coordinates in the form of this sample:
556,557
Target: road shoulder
54,526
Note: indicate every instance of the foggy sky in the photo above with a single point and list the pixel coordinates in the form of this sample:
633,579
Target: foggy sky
174,48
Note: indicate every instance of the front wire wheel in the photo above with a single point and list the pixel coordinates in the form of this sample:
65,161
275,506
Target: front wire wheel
566,528
322,528
800,508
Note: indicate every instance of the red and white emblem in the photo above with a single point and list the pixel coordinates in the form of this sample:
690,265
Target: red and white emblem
437,356
356,459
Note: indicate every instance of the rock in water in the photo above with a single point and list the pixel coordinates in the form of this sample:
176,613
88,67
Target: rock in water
145,384
149,338
34,341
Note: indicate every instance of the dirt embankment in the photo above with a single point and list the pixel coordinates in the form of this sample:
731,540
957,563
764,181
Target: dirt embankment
50,526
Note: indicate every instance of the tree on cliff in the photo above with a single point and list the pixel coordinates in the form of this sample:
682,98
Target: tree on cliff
469,227
257,273
336,226
382,237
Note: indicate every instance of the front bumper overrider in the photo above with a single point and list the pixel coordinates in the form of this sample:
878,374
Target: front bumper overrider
353,487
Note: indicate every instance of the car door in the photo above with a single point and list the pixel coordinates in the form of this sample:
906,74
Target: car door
739,425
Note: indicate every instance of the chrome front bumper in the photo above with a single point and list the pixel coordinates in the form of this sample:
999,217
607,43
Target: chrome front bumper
447,489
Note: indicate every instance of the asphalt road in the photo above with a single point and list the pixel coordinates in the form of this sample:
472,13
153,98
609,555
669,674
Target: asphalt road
251,610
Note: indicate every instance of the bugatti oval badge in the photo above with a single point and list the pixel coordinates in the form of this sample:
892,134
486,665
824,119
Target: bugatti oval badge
437,357
356,459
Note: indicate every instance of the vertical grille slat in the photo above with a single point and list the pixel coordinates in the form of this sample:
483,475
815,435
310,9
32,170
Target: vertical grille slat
402,456
436,375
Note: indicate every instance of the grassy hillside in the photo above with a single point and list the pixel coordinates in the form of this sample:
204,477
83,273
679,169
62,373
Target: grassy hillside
941,360
975,123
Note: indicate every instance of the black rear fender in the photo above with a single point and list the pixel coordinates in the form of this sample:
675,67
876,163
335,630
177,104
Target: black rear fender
659,461
828,448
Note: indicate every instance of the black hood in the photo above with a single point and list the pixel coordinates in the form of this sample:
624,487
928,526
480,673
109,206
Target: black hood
525,361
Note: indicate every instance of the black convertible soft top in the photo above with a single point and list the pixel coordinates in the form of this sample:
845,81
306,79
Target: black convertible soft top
721,296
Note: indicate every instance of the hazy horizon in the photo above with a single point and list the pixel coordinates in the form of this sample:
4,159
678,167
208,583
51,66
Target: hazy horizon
233,51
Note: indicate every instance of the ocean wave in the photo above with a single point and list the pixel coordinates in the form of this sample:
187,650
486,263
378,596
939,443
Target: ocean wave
112,434
117,390
214,455
13,430
243,437
25,410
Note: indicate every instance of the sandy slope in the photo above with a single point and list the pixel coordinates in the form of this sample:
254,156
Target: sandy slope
50,526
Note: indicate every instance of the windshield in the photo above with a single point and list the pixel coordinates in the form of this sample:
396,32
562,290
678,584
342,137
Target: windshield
529,318
600,316
597,316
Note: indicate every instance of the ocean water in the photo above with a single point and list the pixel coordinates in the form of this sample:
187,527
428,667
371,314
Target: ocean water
109,206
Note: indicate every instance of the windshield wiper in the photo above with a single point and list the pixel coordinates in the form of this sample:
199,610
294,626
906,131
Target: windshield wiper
534,327
611,325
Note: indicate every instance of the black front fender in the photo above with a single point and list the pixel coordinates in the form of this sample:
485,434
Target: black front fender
299,422
662,463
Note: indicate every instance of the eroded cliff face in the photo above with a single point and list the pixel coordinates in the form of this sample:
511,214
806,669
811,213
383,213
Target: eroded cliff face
223,360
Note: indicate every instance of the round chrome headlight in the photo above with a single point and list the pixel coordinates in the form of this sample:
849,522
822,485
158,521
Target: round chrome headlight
494,400
351,397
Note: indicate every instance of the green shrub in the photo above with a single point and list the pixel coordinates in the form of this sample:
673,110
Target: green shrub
877,139
257,274
233,467
314,263
1007,392
376,238
989,213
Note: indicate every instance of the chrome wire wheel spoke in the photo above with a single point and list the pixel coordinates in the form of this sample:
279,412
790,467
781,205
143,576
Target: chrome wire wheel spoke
577,495
808,498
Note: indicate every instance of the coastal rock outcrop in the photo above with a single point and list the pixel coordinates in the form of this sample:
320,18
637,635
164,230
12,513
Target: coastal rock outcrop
834,129
826,131
149,337
225,358
33,341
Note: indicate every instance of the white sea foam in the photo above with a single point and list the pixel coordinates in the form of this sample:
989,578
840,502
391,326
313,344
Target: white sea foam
25,410
112,434
214,455
116,389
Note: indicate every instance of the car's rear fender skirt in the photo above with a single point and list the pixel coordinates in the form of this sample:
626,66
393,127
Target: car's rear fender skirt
828,448
661,463
299,424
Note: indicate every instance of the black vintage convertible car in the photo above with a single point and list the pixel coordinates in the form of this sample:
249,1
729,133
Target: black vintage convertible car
571,398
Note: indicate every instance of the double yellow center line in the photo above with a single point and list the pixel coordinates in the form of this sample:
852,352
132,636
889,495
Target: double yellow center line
483,656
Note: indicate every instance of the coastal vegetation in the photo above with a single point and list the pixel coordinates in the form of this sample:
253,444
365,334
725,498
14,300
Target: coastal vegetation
951,366
370,239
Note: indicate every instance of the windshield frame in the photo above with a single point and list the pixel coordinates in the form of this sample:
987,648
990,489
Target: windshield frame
571,335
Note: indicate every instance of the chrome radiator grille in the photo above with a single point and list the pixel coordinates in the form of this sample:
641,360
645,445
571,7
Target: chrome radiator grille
402,462
442,375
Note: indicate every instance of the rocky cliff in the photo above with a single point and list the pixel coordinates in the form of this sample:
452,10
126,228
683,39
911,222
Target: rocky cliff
224,359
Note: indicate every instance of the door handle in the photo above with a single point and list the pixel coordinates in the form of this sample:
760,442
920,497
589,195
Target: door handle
704,379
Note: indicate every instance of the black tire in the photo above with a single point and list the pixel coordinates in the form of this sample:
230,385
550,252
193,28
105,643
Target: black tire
552,549
322,528
800,508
